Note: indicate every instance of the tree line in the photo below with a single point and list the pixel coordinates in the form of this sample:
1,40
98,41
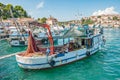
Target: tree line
18,11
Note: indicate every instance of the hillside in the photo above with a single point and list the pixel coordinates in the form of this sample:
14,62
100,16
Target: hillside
104,20
18,11
107,20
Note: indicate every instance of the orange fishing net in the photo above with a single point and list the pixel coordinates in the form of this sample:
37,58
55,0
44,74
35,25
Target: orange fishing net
32,48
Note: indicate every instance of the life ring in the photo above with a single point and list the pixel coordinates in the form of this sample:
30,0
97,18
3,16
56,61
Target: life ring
52,63
88,53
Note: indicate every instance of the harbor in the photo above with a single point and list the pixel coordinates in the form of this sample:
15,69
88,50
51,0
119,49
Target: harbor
104,63
47,41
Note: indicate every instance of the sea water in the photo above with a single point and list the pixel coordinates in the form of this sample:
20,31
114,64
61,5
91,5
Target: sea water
104,65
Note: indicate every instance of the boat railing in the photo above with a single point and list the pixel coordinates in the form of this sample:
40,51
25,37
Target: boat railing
62,48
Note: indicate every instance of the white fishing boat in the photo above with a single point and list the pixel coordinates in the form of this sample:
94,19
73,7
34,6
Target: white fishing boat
16,38
17,42
84,42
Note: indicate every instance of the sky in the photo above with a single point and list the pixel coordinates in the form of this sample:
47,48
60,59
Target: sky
65,10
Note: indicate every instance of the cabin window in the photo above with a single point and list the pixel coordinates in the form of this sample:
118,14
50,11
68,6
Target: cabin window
83,42
14,39
22,42
45,41
89,43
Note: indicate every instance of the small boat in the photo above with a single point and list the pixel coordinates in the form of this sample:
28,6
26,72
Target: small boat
17,38
17,42
84,42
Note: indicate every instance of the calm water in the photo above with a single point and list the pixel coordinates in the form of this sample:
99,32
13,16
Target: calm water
104,65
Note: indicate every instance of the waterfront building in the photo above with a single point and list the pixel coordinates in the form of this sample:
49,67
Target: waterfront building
51,21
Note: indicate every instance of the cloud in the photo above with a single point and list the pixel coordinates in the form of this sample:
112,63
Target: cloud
40,5
107,11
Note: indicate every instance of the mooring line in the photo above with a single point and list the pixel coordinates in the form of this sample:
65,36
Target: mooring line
6,56
9,55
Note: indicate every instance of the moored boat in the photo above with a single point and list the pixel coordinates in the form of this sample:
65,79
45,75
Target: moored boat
17,37
85,42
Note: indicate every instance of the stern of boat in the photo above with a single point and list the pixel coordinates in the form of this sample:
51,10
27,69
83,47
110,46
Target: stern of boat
32,62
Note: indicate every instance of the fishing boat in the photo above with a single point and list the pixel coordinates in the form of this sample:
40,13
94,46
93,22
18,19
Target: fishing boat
17,42
82,42
17,37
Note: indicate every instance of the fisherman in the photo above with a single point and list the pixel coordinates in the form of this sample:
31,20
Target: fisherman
66,48
47,51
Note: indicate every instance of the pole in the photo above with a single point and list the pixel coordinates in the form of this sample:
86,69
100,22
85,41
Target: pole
17,25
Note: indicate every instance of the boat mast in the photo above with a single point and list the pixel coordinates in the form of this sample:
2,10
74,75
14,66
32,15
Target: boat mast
16,25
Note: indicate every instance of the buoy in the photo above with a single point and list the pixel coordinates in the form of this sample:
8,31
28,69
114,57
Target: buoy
88,53
52,63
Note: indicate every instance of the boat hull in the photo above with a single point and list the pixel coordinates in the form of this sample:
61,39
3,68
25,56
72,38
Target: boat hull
17,43
44,62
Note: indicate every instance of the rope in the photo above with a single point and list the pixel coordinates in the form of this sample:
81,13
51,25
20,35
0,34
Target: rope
9,55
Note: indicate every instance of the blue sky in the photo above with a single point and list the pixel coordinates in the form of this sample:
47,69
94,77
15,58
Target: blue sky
64,9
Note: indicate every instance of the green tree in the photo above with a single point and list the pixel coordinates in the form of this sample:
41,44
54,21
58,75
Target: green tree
17,11
115,18
98,16
39,20
86,21
1,9
43,20
7,9
82,21
60,23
